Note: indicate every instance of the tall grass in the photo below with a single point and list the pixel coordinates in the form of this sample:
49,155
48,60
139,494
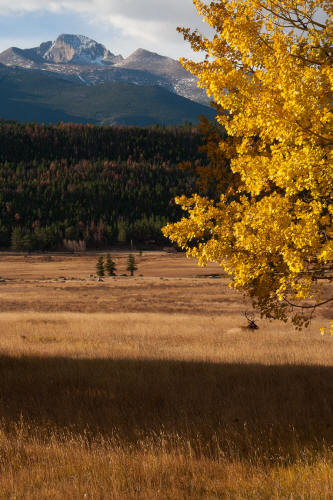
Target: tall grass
159,406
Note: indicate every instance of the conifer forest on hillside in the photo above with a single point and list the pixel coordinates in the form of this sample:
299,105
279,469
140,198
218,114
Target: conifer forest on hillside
90,186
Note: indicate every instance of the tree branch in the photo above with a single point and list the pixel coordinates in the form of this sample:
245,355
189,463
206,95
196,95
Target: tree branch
308,307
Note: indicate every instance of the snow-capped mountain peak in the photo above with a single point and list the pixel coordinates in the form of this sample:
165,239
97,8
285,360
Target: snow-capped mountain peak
82,60
79,49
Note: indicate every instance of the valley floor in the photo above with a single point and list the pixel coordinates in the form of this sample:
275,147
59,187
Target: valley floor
152,387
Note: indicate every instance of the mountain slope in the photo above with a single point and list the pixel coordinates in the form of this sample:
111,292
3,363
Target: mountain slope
20,58
81,59
154,63
27,95
170,72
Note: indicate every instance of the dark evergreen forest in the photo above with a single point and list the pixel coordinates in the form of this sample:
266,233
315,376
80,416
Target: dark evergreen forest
84,186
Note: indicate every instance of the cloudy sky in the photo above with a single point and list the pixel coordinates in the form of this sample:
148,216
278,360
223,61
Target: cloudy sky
121,25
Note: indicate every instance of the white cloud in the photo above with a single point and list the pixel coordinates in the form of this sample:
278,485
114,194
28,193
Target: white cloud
147,23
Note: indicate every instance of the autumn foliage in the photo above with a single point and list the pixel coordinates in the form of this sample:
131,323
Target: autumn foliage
268,67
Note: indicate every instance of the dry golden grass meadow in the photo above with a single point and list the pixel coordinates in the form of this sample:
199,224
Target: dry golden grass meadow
152,387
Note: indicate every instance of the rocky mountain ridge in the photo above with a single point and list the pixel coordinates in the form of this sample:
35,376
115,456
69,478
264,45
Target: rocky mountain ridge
79,49
80,59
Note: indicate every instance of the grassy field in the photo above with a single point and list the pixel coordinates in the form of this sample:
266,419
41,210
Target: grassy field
152,387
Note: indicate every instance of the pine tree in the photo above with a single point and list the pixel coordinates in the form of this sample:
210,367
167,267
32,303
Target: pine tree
110,266
100,266
131,267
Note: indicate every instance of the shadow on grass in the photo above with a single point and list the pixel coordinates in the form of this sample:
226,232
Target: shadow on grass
242,409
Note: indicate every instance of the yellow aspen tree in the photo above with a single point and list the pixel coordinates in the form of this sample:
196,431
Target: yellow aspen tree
268,68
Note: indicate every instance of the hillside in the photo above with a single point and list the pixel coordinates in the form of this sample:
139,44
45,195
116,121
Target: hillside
37,96
94,185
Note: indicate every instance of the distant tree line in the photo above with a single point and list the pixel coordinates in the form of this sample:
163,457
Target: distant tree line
31,141
87,186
